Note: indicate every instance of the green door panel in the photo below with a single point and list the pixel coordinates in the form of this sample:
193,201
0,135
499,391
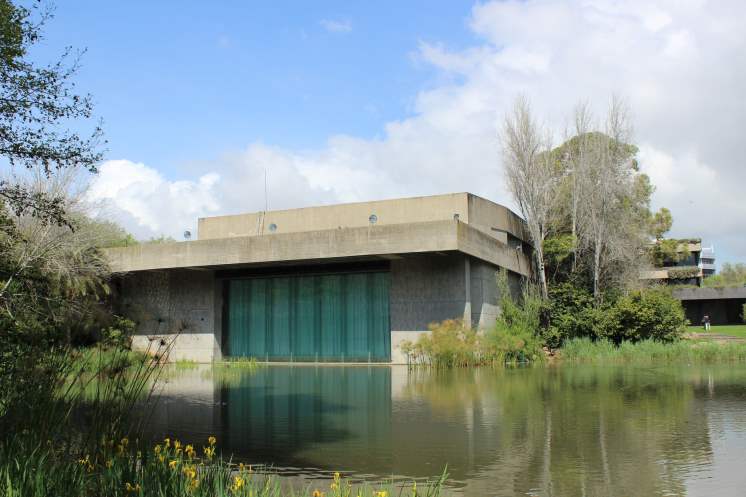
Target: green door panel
328,317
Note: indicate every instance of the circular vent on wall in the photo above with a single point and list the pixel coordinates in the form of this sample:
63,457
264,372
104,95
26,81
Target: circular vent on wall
273,227
373,219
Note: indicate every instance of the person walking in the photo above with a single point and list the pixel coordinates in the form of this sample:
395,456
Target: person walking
706,322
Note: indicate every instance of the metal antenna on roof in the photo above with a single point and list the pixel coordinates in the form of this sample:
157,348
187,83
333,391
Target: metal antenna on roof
266,201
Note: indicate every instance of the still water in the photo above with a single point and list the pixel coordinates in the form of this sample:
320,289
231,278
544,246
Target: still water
560,431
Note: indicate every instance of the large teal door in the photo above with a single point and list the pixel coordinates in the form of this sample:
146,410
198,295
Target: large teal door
328,317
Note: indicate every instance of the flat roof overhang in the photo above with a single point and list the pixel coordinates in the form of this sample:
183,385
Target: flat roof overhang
387,241
726,293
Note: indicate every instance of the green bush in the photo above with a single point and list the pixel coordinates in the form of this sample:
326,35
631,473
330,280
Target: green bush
648,314
513,339
570,314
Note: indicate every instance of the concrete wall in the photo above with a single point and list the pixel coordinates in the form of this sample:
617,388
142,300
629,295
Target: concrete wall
427,289
479,213
319,246
424,289
340,216
186,305
179,306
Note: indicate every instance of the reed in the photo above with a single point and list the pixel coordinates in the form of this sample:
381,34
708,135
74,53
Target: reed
585,350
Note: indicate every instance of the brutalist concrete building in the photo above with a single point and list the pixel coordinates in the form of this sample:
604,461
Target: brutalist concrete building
338,283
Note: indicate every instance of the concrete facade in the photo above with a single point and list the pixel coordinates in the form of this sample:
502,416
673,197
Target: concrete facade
442,253
723,305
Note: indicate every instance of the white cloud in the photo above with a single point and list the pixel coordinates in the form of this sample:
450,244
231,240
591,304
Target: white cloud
678,63
336,25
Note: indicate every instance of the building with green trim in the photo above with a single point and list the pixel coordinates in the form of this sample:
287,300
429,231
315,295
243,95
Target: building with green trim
338,283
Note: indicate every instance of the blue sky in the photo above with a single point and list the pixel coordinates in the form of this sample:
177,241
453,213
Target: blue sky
177,82
346,101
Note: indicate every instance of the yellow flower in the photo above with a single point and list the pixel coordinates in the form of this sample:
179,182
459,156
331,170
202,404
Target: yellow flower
177,444
109,463
382,493
132,488
212,440
189,451
172,464
161,458
86,463
238,484
334,485
167,442
194,483
125,441
157,449
209,452
317,493
189,471
337,476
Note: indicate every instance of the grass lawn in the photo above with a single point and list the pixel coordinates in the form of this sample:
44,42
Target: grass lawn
735,330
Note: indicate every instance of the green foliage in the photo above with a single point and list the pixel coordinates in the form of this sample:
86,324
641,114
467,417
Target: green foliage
586,350
683,273
161,239
558,250
730,275
39,104
648,314
513,339
120,467
449,344
660,223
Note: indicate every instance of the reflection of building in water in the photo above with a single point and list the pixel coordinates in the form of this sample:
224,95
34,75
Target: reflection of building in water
540,431
187,405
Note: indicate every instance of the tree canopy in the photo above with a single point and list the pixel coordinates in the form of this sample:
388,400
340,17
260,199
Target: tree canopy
38,104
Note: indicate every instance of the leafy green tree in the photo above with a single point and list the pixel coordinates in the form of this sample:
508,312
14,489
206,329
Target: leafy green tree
38,103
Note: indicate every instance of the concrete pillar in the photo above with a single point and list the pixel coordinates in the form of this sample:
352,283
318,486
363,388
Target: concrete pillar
467,292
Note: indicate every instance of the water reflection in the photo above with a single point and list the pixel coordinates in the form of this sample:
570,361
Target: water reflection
535,431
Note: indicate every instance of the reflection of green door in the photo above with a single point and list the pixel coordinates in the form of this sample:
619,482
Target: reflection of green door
332,317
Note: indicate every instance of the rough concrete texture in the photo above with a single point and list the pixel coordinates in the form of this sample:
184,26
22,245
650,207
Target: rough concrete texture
476,211
378,241
427,289
710,293
173,306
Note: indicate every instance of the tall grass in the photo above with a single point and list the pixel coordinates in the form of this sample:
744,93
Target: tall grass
584,350
119,468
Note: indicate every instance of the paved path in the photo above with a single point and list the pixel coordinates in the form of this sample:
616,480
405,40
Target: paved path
715,337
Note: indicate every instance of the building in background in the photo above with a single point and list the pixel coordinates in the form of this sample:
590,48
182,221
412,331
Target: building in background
338,283
685,269
707,261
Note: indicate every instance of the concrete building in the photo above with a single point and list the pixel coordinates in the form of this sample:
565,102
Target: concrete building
334,283
707,261
722,305
685,270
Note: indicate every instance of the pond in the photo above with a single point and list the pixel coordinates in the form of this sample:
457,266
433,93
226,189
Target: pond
561,431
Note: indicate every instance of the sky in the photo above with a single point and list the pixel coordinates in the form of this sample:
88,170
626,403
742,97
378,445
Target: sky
344,101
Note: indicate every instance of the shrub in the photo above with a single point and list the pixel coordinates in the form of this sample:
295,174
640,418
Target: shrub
449,344
568,314
648,314
642,314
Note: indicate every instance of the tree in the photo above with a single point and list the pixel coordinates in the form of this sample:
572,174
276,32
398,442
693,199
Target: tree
613,208
36,105
531,175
